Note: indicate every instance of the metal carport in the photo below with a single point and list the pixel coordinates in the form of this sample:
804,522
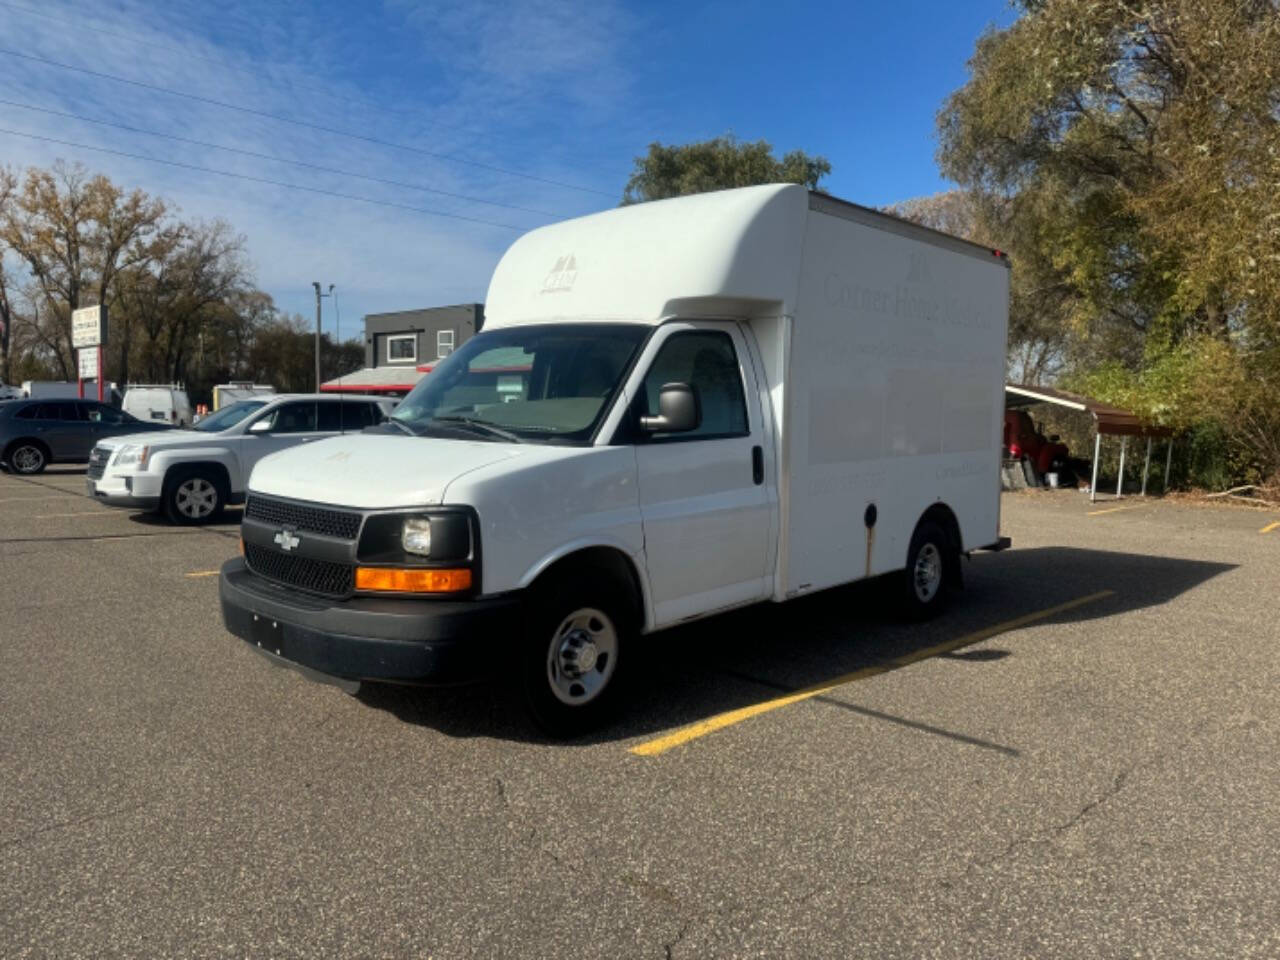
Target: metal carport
1109,420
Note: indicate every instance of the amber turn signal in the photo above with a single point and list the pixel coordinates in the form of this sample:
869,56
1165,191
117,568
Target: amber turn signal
400,580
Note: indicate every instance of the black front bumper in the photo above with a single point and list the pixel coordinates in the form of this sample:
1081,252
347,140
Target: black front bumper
369,638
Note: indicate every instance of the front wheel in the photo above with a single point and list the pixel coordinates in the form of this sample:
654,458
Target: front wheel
577,631
194,497
924,592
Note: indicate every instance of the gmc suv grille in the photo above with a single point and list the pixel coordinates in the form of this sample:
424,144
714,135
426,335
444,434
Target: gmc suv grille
98,463
316,576
329,523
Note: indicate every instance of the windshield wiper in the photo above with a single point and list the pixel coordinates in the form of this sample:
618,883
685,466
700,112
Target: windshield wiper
482,426
407,429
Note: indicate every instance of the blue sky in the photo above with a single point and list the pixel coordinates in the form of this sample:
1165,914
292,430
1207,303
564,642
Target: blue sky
539,105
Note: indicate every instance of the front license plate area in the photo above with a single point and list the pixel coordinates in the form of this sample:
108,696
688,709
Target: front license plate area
268,634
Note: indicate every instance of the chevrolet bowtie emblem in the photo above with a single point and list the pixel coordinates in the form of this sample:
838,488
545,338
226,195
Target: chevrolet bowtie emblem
286,540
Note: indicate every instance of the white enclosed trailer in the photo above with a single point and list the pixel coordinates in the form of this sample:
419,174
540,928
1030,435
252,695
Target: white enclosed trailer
674,409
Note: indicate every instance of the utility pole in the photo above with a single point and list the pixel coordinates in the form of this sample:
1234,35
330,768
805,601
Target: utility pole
316,284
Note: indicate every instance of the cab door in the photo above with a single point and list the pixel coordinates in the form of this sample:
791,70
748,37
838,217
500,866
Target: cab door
705,501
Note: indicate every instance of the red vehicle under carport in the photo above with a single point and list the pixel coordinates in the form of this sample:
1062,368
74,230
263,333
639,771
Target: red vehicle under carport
1020,432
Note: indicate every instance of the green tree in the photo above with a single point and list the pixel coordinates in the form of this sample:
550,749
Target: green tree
718,164
1129,154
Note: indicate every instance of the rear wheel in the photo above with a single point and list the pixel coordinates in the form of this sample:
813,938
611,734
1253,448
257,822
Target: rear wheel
578,627
28,457
924,584
194,497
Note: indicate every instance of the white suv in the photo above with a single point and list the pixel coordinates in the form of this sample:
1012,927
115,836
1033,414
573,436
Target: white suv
190,475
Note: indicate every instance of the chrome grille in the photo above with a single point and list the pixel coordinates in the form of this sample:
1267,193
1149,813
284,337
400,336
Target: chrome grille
316,576
282,513
98,463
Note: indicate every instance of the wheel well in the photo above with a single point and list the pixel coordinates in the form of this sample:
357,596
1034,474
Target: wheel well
614,563
211,467
943,516
31,440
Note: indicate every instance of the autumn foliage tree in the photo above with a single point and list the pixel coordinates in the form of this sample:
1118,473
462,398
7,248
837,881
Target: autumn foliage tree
1128,154
180,293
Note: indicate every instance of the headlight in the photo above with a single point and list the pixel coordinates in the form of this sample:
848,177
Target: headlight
415,536
132,454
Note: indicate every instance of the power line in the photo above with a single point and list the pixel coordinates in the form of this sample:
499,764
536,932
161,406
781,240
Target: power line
267,156
129,38
266,180
303,123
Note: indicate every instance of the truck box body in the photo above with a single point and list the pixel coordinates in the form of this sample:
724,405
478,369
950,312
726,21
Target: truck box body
881,344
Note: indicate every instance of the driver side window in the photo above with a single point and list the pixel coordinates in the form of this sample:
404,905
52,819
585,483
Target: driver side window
706,361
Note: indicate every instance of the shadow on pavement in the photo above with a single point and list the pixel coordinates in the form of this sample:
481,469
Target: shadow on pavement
229,522
686,674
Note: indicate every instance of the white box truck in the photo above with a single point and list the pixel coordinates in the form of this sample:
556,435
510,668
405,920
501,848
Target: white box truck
675,408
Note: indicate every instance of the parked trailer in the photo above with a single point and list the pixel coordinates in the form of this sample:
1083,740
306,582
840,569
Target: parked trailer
224,393
737,397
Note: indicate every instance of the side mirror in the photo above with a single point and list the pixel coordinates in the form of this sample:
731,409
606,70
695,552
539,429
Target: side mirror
677,410
260,426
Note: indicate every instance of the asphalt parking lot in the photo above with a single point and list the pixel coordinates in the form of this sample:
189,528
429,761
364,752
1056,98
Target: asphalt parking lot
1079,759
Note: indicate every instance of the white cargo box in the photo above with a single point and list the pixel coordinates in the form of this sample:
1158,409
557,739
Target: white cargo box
881,344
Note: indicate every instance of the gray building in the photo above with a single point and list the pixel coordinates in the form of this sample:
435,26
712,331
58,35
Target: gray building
410,338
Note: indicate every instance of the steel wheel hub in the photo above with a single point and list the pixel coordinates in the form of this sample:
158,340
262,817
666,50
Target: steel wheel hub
581,656
927,575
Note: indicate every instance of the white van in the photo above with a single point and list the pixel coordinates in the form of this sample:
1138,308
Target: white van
675,409
158,403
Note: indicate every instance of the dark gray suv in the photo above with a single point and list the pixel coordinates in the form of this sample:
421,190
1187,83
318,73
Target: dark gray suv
36,433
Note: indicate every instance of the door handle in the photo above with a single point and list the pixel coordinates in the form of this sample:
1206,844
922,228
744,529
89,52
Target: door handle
757,464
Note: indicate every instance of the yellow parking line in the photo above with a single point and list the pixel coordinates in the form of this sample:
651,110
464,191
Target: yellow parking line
1269,527
702,728
78,513
202,573
1132,506
56,496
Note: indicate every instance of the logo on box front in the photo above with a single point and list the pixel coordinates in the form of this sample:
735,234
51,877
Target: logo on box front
562,275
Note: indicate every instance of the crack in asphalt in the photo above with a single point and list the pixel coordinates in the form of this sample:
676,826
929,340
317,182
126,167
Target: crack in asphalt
69,824
669,946
1117,784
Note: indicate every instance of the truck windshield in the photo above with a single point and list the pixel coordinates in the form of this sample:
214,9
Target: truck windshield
548,382
229,416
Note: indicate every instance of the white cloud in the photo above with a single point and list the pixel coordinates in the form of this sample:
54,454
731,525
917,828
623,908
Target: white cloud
280,62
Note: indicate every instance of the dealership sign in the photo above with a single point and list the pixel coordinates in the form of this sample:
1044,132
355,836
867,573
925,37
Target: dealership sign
89,326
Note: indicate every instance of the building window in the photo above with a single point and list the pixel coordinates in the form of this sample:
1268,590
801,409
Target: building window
444,343
402,348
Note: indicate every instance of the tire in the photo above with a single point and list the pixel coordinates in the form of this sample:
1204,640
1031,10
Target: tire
27,457
924,581
579,624
194,497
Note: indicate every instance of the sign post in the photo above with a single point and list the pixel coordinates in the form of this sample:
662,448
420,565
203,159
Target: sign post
89,330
